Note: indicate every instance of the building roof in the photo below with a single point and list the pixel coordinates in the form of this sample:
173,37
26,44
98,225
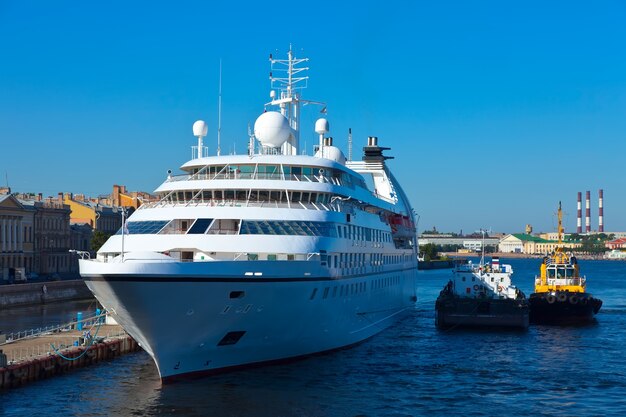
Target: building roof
530,238
617,241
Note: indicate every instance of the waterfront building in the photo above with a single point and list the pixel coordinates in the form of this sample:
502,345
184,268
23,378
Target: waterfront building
16,238
616,244
466,242
529,244
100,217
80,240
52,237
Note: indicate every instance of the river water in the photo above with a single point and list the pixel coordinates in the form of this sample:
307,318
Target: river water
411,369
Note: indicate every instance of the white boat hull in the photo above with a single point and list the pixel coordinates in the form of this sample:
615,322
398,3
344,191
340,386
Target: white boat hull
180,316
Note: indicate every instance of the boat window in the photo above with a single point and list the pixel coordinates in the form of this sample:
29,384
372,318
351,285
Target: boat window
560,273
200,226
253,256
149,227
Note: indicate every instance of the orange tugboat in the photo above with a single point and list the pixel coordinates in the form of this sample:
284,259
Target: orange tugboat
561,295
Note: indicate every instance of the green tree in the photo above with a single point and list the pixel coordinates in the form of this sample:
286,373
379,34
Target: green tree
97,240
430,251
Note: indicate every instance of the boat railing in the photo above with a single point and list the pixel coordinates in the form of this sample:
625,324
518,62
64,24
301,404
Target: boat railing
335,206
569,281
254,176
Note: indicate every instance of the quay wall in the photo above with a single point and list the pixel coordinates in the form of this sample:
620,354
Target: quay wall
19,374
42,293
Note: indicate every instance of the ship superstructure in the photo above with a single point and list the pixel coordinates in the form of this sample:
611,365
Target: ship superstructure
265,256
481,295
560,294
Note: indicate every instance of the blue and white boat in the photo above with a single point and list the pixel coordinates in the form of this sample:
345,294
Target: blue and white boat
271,255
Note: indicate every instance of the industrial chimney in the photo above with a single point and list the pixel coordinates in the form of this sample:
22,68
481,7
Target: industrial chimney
600,211
587,212
579,218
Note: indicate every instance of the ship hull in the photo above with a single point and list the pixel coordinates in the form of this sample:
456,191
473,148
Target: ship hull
563,308
454,311
197,324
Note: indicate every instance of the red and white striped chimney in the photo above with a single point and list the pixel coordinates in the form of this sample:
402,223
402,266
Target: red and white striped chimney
579,218
587,212
600,211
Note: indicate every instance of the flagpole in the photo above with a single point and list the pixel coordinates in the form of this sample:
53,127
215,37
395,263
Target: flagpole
123,227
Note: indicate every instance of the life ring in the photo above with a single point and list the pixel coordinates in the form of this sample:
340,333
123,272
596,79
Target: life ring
574,300
476,287
551,299
562,297
500,288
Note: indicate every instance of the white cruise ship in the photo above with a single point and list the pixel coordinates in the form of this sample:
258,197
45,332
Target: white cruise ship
255,258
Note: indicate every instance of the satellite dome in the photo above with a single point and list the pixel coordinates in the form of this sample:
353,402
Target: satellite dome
333,153
272,129
321,126
200,128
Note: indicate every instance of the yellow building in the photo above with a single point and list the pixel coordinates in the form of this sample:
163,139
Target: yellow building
100,217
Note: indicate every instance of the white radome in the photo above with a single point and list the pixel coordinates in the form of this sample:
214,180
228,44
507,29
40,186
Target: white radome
200,128
272,129
331,152
321,126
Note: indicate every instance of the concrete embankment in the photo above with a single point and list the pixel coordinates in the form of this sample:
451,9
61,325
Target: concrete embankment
42,292
40,357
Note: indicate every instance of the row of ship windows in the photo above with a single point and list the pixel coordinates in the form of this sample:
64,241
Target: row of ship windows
260,196
354,288
276,172
254,227
474,279
357,260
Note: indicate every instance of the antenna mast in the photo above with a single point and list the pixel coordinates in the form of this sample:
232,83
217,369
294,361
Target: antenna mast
349,144
219,112
289,99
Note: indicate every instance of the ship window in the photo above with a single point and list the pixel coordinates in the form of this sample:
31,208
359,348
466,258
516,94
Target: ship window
326,292
271,257
463,279
296,170
253,256
237,294
200,226
313,294
149,227
231,338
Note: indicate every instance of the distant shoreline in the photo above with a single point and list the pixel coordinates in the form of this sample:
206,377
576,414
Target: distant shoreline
523,256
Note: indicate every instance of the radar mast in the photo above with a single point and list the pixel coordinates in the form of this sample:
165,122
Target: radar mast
289,82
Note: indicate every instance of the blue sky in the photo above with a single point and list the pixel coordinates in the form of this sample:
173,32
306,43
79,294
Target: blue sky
495,111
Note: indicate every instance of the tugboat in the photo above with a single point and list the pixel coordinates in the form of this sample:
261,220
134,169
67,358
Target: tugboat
481,296
560,295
